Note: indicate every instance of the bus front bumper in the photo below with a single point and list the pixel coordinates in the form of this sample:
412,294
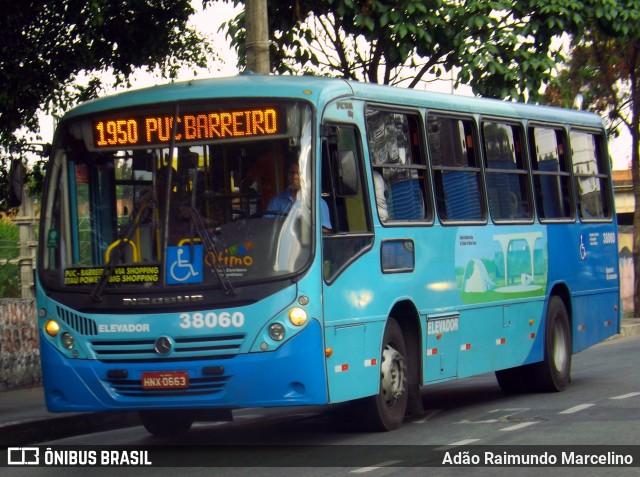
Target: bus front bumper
293,375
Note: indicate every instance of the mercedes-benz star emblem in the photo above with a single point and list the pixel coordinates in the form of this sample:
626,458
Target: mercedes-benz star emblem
163,345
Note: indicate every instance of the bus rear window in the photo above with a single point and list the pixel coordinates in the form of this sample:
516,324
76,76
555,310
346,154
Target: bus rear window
590,172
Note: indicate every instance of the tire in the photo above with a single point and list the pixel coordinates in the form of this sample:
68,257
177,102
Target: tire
386,410
553,374
166,423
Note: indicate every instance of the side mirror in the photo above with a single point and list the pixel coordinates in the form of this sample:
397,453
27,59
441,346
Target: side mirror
347,183
16,183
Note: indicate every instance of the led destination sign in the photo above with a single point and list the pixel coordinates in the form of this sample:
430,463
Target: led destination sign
202,126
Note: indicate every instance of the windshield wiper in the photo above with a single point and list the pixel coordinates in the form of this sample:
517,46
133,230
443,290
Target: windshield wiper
210,247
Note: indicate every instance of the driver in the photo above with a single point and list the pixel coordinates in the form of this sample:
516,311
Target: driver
283,202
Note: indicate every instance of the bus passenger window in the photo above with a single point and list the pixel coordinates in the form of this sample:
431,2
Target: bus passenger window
456,169
399,170
551,173
506,173
589,170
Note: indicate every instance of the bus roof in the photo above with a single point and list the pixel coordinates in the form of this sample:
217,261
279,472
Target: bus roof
474,105
321,90
244,86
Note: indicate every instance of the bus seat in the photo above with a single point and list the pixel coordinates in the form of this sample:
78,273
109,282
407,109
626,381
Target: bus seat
461,195
406,201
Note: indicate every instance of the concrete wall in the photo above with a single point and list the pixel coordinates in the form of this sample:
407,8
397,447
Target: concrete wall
625,245
19,352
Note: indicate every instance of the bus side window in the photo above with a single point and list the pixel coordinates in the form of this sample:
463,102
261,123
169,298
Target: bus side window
506,172
590,172
398,166
551,173
456,169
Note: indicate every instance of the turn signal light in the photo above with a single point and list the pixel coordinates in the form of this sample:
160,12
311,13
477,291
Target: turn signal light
52,328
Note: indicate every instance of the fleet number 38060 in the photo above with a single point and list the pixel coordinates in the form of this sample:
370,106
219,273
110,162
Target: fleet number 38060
212,320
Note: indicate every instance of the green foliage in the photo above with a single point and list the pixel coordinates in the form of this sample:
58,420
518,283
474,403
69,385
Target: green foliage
604,66
55,53
46,44
499,47
9,273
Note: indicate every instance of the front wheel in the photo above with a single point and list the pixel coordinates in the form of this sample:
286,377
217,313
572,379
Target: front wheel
166,423
386,410
554,372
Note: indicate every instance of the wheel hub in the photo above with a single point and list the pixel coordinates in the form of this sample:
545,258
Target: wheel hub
392,372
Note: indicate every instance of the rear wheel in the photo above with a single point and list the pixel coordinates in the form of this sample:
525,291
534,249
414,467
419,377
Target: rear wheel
554,372
386,410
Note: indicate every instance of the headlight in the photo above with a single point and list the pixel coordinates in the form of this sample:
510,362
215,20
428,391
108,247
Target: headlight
67,340
276,331
297,316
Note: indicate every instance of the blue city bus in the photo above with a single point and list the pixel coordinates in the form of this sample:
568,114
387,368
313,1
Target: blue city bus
263,241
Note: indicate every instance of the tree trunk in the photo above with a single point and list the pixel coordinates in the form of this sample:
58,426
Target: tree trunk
257,41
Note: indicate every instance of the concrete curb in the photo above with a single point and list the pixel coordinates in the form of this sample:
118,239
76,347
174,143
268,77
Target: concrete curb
63,425
630,327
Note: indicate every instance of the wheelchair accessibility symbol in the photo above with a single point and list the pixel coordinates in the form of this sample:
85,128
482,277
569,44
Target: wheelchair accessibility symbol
181,267
583,248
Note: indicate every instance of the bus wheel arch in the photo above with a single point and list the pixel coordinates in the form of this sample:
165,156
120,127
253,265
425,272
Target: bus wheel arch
562,291
399,387
553,373
408,317
385,410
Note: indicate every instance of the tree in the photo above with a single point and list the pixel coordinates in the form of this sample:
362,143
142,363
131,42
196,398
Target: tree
604,67
9,251
55,53
499,47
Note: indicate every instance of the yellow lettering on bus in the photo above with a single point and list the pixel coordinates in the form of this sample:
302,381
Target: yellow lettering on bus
225,121
256,122
202,126
151,125
214,124
189,127
237,123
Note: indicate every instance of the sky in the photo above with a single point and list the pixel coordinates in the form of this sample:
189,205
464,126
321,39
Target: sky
208,21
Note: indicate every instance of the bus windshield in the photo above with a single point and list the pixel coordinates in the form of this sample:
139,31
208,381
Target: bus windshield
213,195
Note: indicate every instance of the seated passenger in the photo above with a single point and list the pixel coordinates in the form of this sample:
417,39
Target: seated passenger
381,196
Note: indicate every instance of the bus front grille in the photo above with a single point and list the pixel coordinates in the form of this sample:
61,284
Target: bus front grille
84,326
195,348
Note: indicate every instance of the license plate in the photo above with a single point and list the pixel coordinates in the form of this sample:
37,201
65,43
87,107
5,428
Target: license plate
165,380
